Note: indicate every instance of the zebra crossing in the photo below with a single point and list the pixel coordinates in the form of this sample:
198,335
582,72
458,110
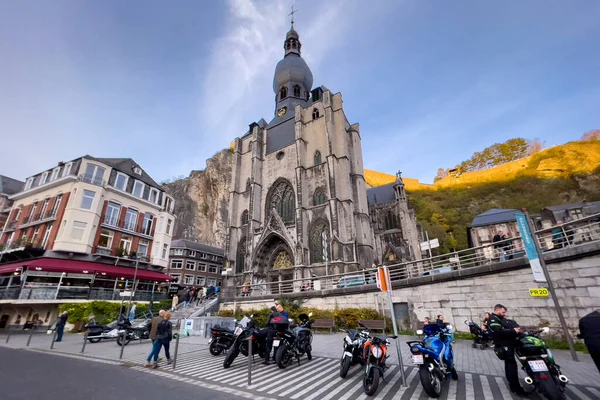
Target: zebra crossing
319,380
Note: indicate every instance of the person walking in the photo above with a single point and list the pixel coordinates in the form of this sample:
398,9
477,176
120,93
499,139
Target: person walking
589,331
153,329
132,312
186,298
164,335
60,325
175,302
505,337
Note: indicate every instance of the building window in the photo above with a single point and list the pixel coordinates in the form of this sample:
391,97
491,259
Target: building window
178,252
161,221
77,231
390,221
46,236
211,281
56,205
177,264
121,181
315,113
168,204
138,189
202,267
44,178
200,280
55,174
44,209
316,241
296,89
87,199
282,199
35,234
317,157
245,217
67,170
176,278
130,219
137,170
189,280
106,239
94,174
192,253
28,183
169,223
165,250
320,197
212,269
32,212
282,93
142,250
240,259
576,213
112,214
153,196
125,244
203,256
147,224
190,265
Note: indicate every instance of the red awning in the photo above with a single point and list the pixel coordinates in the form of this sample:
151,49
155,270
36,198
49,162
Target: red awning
85,267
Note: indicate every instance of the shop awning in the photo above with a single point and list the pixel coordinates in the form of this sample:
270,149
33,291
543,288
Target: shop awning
85,267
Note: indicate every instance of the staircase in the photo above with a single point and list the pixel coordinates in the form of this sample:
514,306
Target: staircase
192,311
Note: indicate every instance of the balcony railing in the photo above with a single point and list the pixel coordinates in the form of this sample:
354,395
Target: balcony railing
11,226
104,251
94,180
128,226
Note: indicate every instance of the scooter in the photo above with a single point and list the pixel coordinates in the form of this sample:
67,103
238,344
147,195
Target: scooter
222,338
374,356
295,343
96,332
354,342
435,357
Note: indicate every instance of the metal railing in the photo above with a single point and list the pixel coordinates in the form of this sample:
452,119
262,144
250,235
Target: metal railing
570,233
54,292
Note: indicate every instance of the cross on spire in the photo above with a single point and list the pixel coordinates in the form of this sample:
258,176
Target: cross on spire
292,14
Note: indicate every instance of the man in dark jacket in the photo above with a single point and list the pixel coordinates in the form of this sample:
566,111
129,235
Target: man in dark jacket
269,332
60,326
589,331
505,336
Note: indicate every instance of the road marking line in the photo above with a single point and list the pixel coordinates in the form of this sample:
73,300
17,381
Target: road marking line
485,386
325,368
280,376
469,391
259,371
594,391
411,378
417,393
452,388
313,386
391,381
503,389
578,393
351,375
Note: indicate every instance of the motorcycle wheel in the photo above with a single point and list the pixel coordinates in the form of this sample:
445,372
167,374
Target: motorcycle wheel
371,381
283,357
550,389
214,350
430,382
345,367
120,340
229,358
94,340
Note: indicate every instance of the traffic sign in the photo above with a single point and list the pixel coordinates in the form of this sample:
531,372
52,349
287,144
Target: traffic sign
538,292
383,279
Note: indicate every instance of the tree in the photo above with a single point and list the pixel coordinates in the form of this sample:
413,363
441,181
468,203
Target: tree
496,154
534,146
441,173
591,135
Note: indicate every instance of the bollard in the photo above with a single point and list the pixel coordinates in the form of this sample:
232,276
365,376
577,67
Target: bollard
30,334
8,334
53,340
122,345
176,344
250,360
84,342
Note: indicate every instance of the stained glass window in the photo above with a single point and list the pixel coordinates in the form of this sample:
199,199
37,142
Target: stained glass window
282,200
241,256
317,157
316,241
320,197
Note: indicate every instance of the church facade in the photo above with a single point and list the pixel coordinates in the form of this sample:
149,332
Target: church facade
298,204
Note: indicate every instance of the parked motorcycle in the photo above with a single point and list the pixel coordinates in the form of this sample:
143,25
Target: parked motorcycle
222,338
354,342
97,332
435,357
240,344
128,332
293,344
538,363
374,356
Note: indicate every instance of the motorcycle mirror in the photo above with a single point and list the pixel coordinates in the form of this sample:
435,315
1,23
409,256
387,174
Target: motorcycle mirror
449,326
310,314
251,315
545,329
419,332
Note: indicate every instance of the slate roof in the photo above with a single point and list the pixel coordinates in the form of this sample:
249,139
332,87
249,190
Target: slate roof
126,165
594,205
494,216
10,186
381,194
189,244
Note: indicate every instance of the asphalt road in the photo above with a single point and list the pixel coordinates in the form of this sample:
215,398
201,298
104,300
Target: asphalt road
26,375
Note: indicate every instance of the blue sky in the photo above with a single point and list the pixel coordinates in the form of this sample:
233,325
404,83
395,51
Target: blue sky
171,83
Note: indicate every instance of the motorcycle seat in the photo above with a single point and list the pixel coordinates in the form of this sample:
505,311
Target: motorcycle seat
222,329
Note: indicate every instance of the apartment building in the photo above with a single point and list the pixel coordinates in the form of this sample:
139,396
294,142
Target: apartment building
195,264
8,187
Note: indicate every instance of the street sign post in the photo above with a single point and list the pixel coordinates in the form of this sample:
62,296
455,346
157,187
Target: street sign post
384,283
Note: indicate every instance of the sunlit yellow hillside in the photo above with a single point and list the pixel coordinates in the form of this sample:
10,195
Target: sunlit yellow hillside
375,178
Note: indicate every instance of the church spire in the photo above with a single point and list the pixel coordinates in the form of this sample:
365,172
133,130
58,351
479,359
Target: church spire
292,43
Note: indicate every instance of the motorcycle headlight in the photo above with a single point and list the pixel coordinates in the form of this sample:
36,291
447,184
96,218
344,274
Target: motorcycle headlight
376,351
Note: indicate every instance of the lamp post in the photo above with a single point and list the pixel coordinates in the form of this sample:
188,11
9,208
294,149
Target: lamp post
132,286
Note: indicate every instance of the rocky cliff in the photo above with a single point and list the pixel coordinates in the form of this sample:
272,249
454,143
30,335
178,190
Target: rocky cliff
201,201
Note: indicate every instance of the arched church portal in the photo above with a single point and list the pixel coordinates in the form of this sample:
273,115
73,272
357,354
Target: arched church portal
274,264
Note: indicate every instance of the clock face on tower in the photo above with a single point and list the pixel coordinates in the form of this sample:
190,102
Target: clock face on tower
281,111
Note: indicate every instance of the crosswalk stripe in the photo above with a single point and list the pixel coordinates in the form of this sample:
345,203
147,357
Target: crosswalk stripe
469,391
594,392
452,387
199,370
341,387
256,373
391,381
410,379
314,386
194,367
279,377
354,388
326,369
503,389
351,375
417,393
485,386
219,371
578,393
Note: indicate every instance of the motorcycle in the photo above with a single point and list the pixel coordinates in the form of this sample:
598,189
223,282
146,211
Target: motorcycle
354,342
97,332
435,357
538,363
128,332
293,344
222,338
374,356
240,344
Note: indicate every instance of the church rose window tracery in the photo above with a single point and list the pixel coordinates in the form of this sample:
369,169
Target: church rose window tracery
282,200
316,241
241,256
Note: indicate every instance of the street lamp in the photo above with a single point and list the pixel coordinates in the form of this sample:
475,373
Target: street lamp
132,287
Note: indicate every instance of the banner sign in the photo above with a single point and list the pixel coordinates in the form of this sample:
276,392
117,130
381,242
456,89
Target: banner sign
532,254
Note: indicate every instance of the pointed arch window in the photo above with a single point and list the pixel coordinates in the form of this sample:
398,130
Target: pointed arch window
316,241
319,197
245,217
282,93
315,113
240,259
317,157
296,89
282,200
248,184
390,221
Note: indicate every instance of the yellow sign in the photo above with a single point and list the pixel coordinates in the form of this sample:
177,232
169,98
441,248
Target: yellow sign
538,292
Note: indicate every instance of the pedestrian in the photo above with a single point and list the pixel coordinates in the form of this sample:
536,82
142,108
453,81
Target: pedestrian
186,298
175,302
440,321
426,321
132,312
485,324
269,332
498,245
558,236
194,295
281,311
589,331
154,326
60,325
505,337
164,336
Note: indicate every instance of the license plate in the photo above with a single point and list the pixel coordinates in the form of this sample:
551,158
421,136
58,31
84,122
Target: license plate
417,359
538,366
276,343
